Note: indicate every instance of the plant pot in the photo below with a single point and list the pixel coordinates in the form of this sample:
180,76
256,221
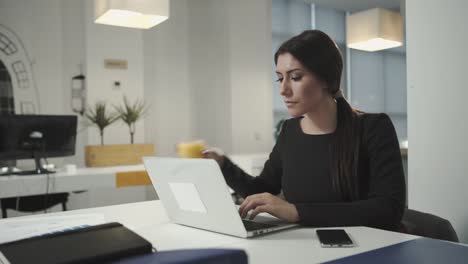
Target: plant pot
116,155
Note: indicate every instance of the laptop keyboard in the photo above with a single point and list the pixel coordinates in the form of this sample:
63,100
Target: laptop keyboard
251,225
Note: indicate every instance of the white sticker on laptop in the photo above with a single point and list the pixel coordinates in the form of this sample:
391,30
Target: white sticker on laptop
187,197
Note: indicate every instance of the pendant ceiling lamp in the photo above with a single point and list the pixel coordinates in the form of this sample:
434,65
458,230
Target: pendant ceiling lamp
131,13
374,29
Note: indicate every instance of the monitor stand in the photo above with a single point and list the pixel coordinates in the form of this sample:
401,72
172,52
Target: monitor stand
39,169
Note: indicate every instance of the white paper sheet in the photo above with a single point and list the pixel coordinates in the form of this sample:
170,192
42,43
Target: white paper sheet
14,229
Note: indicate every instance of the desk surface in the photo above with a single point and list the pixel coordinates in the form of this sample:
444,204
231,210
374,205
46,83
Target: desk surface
290,246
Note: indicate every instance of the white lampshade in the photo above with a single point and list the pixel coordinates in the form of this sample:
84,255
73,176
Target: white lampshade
374,29
131,13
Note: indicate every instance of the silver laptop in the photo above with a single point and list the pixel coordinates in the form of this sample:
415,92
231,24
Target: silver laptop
194,193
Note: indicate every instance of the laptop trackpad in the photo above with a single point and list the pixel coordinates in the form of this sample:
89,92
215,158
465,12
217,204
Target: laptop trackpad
187,197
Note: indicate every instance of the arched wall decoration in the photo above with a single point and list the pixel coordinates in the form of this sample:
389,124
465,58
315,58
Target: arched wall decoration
19,66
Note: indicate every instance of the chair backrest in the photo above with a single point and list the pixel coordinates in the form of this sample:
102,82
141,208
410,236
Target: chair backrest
33,203
428,225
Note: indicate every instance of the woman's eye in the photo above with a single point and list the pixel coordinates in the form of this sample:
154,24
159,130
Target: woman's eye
279,80
296,78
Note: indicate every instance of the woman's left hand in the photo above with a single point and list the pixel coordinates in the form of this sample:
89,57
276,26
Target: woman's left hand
269,203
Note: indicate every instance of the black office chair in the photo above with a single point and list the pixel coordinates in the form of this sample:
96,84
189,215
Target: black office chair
34,203
428,225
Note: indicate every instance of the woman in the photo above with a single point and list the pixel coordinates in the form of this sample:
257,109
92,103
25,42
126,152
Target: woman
335,165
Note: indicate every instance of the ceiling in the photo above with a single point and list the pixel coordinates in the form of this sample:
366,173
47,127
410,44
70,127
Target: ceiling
359,5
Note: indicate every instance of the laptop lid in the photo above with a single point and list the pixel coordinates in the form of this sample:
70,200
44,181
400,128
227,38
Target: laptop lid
194,193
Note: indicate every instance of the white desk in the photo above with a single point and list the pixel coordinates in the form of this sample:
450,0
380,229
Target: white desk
290,246
93,178
83,179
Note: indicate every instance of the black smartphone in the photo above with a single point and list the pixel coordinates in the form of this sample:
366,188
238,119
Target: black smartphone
334,238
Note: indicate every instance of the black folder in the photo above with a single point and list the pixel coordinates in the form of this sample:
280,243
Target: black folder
94,244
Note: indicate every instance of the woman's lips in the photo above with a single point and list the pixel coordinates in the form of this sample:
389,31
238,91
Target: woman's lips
290,104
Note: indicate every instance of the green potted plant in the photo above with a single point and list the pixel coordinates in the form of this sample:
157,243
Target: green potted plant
131,113
117,154
101,117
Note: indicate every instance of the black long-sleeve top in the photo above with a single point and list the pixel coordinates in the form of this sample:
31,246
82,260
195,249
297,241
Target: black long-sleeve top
299,165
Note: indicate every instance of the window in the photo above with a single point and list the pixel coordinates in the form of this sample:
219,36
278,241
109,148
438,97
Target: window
377,80
291,17
6,45
21,75
6,92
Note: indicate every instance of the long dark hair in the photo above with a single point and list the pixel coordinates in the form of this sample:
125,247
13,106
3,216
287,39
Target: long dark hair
320,55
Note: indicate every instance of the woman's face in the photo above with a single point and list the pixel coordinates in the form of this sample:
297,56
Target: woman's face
302,92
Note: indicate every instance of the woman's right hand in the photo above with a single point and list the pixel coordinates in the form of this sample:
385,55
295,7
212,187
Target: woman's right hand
214,153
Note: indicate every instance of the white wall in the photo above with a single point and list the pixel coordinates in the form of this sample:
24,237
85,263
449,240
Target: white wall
209,72
204,75
52,34
212,76
73,55
59,35
167,85
205,81
251,77
40,30
205,72
437,41
110,42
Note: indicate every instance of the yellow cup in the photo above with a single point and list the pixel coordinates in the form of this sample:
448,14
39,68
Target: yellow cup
190,149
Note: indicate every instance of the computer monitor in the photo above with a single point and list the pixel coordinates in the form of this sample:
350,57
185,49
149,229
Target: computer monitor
36,137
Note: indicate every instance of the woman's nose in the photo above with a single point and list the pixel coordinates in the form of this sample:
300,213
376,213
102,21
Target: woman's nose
284,88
